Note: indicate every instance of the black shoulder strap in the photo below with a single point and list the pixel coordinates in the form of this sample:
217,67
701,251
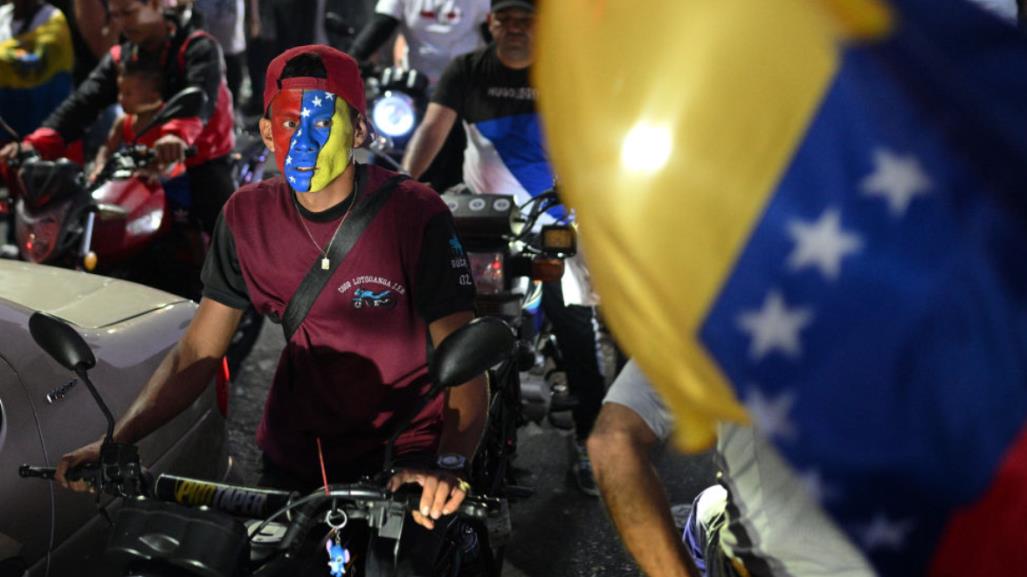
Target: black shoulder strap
345,237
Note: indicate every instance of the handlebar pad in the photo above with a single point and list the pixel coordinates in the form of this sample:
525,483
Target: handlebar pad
232,499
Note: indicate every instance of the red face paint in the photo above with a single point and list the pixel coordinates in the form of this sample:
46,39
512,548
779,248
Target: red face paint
285,118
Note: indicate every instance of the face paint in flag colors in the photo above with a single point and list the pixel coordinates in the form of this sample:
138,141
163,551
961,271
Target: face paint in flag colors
313,137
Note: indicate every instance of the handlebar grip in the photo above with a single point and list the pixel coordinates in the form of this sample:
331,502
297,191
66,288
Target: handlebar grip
475,507
30,472
81,472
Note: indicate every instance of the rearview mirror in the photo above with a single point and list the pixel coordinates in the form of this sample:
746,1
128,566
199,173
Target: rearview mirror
187,102
470,351
61,342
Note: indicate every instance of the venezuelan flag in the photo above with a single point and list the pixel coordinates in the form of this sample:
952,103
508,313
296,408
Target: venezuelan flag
35,71
811,216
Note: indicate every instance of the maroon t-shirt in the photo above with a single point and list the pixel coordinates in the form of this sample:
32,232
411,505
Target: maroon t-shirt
359,359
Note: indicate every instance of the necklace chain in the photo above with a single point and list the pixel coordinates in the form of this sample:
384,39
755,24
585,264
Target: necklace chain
325,264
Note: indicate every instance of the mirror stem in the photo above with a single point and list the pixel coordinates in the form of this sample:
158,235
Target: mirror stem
82,374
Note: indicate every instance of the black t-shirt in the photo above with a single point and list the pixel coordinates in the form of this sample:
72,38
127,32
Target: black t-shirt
359,359
479,87
505,150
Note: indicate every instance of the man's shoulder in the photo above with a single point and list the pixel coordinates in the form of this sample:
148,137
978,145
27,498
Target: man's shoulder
472,63
416,197
255,196
479,58
194,39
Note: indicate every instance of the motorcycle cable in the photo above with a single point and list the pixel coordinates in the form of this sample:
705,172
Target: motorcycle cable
540,204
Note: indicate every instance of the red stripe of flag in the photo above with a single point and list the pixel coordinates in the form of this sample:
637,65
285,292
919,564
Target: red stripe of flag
989,538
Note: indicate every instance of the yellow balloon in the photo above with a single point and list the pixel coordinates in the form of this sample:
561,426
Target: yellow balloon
669,123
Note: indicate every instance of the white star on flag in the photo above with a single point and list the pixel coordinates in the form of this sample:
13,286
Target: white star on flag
883,533
329,96
770,416
897,179
775,327
288,160
292,179
305,112
816,489
299,132
822,244
317,101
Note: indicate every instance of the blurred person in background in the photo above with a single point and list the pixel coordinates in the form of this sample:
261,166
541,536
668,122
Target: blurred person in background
225,20
489,91
761,519
188,57
435,32
36,59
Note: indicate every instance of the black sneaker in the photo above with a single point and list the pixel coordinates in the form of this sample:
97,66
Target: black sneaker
581,468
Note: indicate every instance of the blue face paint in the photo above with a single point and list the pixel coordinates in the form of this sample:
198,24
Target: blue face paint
304,161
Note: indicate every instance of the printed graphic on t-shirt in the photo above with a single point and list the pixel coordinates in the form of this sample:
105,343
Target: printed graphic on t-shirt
512,92
458,261
447,13
373,292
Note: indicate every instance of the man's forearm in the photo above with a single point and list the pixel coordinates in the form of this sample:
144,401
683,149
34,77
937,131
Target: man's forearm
639,507
428,139
176,384
420,152
464,419
374,34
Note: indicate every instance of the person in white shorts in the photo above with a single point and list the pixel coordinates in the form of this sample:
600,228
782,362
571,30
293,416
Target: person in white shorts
761,519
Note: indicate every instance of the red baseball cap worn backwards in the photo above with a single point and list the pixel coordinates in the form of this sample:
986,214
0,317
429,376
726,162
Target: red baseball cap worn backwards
343,79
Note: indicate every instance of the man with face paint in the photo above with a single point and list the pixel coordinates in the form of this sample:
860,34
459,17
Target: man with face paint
358,360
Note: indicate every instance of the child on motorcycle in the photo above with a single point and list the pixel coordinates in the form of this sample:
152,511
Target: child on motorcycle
140,87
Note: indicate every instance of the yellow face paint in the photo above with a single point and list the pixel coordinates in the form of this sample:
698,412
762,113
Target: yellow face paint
337,152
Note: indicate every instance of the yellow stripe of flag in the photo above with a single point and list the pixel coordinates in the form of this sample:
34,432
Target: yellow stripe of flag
670,123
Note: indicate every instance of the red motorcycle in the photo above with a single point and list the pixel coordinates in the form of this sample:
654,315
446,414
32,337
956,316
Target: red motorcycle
123,224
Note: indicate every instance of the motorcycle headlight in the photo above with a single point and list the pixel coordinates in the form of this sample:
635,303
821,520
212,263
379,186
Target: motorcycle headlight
394,114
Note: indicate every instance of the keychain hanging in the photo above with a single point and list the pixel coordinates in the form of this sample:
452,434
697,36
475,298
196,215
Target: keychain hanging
336,519
338,556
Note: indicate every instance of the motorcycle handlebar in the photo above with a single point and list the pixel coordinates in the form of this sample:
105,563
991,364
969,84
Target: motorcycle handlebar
260,503
145,153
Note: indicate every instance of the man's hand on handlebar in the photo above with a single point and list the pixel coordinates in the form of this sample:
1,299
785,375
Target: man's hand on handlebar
441,494
169,149
87,454
10,150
